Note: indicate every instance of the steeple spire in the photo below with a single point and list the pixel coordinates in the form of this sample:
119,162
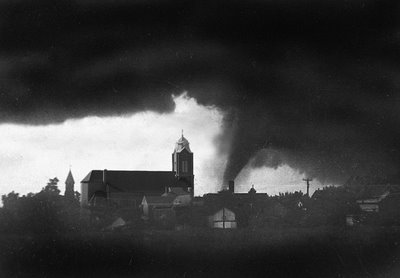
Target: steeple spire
70,178
69,186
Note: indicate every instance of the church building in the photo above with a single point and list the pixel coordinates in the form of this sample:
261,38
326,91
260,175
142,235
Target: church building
127,188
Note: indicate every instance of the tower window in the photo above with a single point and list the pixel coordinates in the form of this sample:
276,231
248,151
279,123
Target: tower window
184,166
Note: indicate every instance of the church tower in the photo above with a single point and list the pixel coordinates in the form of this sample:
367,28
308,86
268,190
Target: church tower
182,163
69,186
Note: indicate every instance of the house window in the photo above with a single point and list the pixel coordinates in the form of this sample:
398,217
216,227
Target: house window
184,166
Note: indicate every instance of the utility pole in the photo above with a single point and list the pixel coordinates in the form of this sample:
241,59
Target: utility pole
307,180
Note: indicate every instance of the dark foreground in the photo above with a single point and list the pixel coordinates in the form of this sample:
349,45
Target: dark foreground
318,252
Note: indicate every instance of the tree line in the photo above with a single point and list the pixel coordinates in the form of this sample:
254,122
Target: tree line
45,212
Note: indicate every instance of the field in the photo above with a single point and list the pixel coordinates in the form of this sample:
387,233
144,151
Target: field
283,252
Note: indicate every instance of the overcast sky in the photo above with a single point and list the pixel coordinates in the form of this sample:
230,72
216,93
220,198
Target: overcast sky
30,155
313,85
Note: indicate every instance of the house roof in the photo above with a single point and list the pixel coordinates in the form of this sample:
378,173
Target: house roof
373,192
159,200
129,181
244,197
325,193
176,191
357,183
235,201
378,192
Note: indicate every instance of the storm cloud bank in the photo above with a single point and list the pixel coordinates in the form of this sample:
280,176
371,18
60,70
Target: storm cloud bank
311,84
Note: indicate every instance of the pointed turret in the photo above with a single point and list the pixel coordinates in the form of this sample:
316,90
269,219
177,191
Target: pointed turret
69,186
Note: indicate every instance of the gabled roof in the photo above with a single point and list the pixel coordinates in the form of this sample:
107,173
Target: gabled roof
373,192
159,200
176,191
88,178
357,183
129,181
376,193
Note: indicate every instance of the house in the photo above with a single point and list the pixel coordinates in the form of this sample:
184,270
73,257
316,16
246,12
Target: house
245,206
371,197
168,209
150,203
181,197
380,203
222,219
173,197
118,188
158,210
331,205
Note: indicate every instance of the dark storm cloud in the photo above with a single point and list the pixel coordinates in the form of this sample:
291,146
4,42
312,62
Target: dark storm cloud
312,84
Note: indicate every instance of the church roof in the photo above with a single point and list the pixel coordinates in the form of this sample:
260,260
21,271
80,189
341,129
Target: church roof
182,144
133,181
70,178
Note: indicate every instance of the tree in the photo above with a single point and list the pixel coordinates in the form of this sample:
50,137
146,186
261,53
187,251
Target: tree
52,187
77,196
10,199
44,212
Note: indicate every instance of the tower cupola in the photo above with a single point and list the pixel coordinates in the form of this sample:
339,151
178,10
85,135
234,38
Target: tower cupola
182,144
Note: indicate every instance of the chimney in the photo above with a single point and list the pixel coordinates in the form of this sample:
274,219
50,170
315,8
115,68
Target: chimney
105,176
231,187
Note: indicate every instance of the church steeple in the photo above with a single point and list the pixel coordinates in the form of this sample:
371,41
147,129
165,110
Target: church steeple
182,162
69,186
182,144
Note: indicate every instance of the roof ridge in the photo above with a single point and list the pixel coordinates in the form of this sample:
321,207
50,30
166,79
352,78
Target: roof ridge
158,171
